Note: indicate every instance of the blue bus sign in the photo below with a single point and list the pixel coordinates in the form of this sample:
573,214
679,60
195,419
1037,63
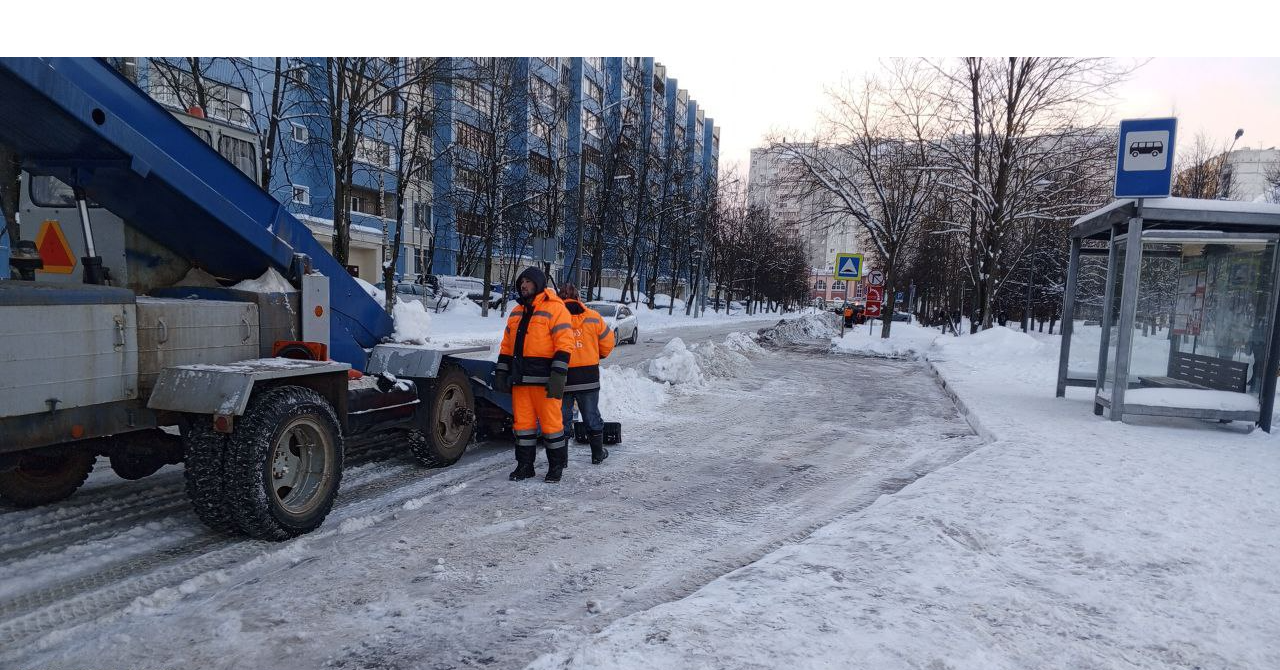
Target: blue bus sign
1144,158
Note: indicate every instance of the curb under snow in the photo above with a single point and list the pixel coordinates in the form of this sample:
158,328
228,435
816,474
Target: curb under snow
970,417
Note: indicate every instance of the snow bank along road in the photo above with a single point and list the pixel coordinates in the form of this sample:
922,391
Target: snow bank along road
460,567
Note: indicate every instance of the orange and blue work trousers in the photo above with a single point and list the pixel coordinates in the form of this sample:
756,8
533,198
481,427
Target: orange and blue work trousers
532,408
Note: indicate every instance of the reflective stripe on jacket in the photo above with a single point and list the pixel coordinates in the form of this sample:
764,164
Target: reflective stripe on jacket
538,339
593,340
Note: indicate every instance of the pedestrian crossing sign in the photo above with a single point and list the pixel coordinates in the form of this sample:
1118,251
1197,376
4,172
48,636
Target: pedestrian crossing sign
848,267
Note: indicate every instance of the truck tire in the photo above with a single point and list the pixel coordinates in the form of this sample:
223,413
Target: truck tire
450,419
205,452
44,478
283,464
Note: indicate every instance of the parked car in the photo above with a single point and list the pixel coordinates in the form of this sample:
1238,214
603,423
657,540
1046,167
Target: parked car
623,321
902,316
423,293
467,287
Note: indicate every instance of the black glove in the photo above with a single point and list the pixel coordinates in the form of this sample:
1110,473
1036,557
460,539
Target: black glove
502,381
555,384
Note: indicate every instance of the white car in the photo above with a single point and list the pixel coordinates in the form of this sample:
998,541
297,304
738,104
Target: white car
623,321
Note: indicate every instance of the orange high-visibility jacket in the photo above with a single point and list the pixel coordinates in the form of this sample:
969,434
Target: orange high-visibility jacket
538,338
593,341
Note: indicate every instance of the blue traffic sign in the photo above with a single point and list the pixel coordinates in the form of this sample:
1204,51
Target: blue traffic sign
848,267
1144,158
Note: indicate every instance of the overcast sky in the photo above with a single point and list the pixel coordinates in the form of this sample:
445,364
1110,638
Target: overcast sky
755,95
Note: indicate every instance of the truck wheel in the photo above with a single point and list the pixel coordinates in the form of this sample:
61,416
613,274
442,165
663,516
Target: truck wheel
205,451
283,464
450,419
42,478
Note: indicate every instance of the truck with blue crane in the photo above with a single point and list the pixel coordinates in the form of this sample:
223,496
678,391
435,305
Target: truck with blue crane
206,325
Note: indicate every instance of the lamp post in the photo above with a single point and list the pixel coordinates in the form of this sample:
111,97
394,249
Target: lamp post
1224,171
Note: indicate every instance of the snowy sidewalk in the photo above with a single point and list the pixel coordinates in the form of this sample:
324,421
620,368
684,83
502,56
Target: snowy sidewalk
1068,542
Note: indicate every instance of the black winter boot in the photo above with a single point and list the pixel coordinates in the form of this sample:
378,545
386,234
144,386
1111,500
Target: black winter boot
524,463
598,452
556,460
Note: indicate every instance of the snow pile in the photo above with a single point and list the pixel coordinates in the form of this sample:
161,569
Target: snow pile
719,360
804,330
412,322
196,277
269,282
372,290
743,343
992,344
628,395
676,364
466,307
906,340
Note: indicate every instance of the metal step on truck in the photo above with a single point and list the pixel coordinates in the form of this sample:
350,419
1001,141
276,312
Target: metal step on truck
197,321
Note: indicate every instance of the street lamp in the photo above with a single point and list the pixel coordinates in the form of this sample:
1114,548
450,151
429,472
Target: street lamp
1224,172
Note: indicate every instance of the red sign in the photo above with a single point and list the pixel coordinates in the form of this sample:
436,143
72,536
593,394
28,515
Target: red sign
875,294
872,310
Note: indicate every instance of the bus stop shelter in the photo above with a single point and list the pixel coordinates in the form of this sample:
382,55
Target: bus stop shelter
1170,309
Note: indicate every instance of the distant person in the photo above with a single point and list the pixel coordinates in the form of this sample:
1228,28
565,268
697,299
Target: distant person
848,315
594,340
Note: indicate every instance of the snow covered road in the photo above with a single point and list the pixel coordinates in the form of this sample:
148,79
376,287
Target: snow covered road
460,567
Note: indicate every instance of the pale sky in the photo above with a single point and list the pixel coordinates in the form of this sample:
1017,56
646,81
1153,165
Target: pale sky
764,93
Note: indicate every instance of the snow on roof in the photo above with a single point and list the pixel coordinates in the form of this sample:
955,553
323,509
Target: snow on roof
1189,205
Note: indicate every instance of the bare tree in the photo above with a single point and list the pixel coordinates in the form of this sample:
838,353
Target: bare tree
1199,171
412,129
354,98
1272,177
1004,126
870,162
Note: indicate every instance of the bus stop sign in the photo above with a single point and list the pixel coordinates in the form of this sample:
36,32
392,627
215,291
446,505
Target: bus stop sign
1144,158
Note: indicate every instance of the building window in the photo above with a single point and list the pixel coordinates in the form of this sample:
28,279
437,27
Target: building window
474,93
542,131
821,285
591,124
470,224
365,201
541,164
543,91
176,87
486,63
421,215
837,286
596,62
592,90
551,61
472,138
242,153
299,133
371,151
592,157
470,180
301,195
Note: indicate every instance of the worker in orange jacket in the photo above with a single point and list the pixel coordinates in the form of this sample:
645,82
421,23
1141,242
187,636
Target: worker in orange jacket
533,366
593,340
